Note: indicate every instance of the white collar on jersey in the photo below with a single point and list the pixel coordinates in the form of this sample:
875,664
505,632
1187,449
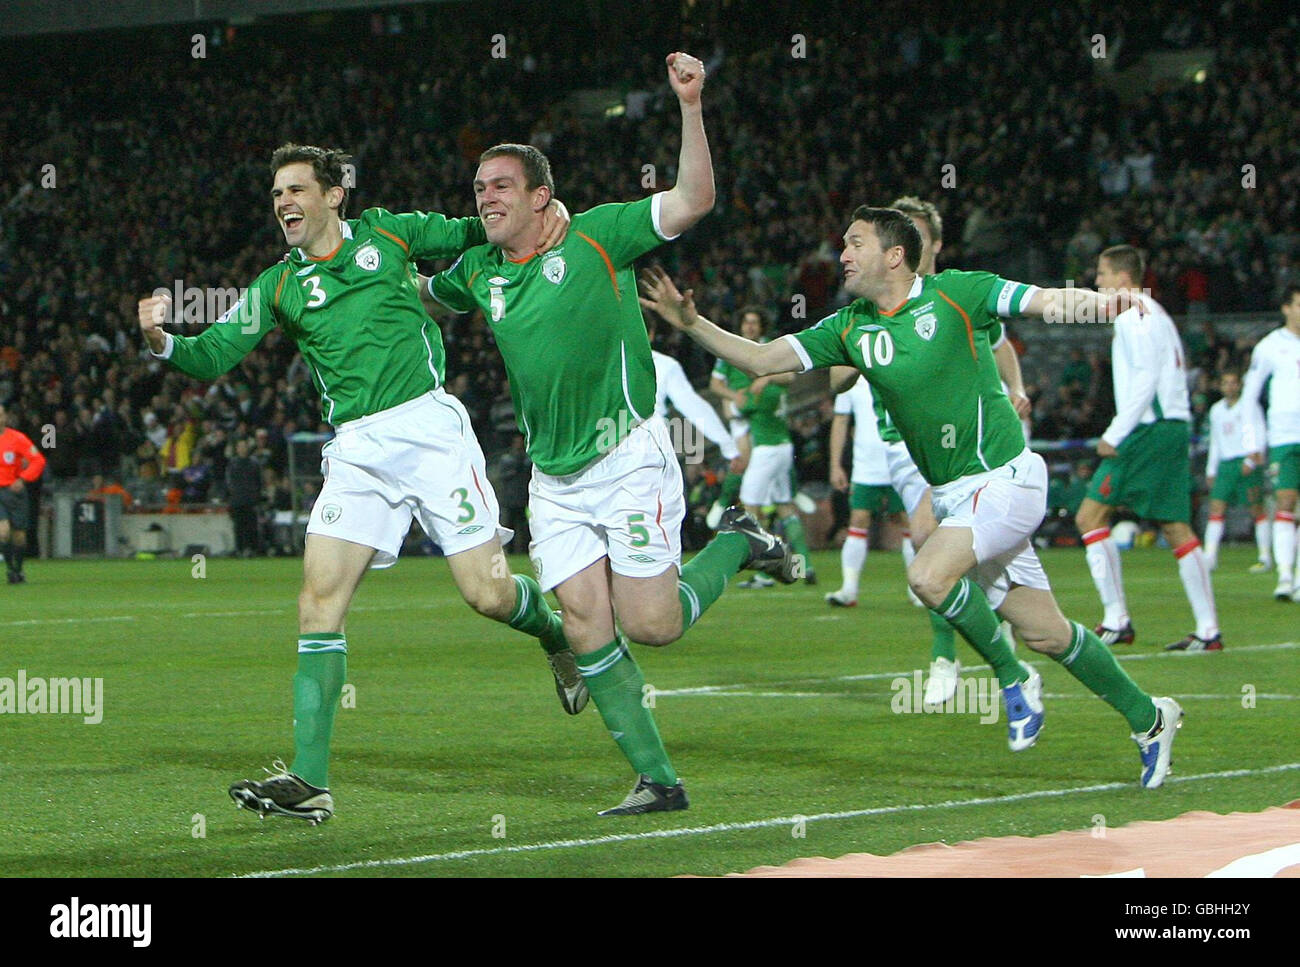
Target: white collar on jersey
916,288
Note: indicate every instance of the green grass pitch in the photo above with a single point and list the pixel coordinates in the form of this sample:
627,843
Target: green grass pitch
457,760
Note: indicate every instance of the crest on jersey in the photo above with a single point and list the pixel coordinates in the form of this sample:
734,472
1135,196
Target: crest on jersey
367,258
926,326
553,269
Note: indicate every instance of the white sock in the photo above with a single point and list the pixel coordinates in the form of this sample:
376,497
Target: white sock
1196,582
1213,535
909,551
1264,539
1103,564
1284,544
852,557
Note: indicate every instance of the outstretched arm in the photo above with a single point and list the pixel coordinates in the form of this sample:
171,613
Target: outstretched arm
1076,305
1008,363
692,197
660,295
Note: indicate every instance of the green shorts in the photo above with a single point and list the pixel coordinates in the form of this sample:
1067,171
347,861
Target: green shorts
1235,488
1151,475
877,498
1284,466
15,508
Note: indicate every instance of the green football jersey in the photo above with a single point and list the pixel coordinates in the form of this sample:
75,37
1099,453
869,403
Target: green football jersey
766,415
356,314
569,327
735,377
885,423
930,366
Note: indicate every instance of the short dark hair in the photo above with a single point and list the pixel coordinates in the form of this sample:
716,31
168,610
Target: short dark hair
1289,293
1126,259
894,228
537,169
329,165
925,210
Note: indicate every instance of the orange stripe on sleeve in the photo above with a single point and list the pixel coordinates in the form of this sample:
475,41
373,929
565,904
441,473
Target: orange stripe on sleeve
613,276
283,275
970,333
405,247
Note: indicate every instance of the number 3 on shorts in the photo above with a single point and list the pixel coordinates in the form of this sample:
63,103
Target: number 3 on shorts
462,494
640,533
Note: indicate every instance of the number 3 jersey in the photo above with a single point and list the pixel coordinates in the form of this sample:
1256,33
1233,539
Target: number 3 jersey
355,314
930,366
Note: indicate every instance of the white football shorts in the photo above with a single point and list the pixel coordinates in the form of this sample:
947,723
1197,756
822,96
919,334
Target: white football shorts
417,460
1003,508
627,506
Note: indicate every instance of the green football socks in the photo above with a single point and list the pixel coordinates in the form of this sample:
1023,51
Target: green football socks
730,489
967,609
533,615
943,642
1094,665
792,527
704,579
618,689
322,668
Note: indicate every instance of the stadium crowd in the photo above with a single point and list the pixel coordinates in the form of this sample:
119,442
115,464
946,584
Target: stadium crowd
810,113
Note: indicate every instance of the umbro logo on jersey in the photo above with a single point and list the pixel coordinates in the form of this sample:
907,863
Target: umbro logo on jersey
553,269
472,529
367,258
871,328
641,558
926,326
497,280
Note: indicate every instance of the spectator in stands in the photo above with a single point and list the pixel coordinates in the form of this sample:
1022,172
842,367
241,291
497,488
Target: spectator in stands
243,492
102,486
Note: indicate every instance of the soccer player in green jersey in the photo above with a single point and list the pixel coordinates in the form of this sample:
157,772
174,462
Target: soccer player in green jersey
605,503
769,477
404,447
727,383
920,343
945,670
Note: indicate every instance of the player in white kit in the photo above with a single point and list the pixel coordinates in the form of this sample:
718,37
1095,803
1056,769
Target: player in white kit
871,491
1234,469
1276,361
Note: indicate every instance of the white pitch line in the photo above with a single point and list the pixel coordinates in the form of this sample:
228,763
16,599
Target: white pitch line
765,694
286,611
877,676
66,621
753,824
1054,696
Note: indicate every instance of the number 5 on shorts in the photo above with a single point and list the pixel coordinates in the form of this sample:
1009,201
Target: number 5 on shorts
640,533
